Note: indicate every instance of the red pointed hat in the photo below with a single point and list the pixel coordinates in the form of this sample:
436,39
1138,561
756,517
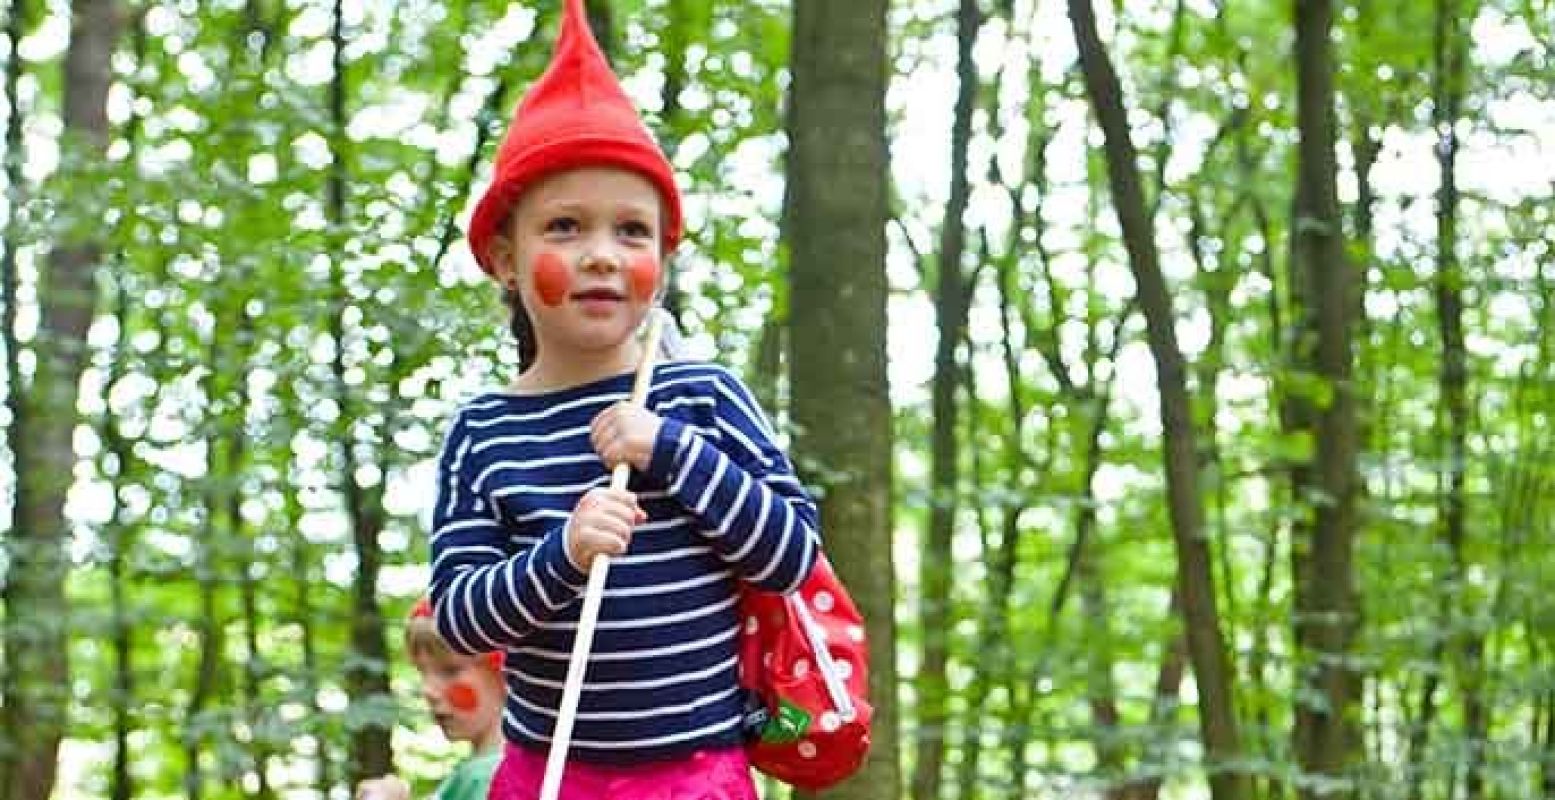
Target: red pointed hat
575,115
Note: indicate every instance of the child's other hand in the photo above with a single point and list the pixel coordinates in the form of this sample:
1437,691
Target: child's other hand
624,434
387,787
602,524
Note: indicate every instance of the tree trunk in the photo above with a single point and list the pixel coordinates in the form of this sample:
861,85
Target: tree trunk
117,533
367,675
952,297
119,451
1323,285
996,651
835,233
673,42
255,664
1450,69
1547,776
304,613
602,23
16,398
35,686
1195,578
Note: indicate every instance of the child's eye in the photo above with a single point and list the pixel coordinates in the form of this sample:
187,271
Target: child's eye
561,225
636,230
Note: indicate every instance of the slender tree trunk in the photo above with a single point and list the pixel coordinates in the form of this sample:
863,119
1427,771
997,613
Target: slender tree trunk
1195,577
15,399
1247,162
254,667
1547,776
1324,284
14,158
951,299
304,613
1095,612
35,686
673,45
208,631
995,662
367,676
116,531
602,23
1450,69
119,451
835,233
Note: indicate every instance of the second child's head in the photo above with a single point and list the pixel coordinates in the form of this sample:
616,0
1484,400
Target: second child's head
465,694
582,212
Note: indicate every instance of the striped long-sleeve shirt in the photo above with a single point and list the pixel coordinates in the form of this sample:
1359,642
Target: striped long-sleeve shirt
723,506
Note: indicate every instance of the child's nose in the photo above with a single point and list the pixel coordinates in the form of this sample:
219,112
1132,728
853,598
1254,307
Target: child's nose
601,259
599,255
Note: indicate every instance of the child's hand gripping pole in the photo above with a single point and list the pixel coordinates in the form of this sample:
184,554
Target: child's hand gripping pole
599,570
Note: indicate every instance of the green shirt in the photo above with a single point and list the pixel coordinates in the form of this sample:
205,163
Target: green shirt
471,777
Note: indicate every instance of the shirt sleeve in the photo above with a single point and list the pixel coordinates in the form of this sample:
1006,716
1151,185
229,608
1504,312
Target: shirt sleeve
752,507
483,597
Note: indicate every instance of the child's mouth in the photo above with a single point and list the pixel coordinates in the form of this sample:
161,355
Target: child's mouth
599,302
598,295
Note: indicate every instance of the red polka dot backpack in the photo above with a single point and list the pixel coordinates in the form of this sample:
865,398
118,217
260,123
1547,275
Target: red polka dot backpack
804,659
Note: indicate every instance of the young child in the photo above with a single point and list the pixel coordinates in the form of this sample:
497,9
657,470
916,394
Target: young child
578,223
465,694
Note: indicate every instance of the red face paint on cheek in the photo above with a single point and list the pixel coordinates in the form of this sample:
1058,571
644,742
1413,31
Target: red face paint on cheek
551,279
462,697
643,276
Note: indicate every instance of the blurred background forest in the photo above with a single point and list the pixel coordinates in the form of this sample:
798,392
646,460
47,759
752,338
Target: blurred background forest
1179,375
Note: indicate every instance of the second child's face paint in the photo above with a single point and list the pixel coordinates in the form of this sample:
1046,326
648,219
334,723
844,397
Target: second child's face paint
552,281
642,274
462,697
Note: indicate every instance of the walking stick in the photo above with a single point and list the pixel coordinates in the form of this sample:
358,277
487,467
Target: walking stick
593,594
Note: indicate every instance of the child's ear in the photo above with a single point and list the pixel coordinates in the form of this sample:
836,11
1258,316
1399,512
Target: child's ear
504,266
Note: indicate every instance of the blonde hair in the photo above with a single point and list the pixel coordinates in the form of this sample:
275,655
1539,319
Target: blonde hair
422,639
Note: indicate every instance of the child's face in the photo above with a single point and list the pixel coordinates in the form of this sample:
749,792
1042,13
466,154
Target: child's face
584,251
464,694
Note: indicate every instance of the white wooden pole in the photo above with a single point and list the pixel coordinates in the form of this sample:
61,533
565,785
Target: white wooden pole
593,594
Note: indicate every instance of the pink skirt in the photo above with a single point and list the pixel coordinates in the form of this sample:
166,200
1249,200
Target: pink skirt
705,775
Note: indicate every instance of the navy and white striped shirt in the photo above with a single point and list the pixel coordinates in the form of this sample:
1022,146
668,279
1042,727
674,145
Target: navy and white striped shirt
723,506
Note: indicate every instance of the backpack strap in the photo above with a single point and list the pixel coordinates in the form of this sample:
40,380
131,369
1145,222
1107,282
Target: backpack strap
840,698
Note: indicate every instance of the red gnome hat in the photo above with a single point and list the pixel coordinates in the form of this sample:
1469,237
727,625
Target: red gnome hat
575,115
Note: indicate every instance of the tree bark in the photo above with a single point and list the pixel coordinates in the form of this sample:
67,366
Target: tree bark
996,663
1195,577
952,297
118,534
1547,774
1450,68
367,676
35,686
602,23
835,234
1323,289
